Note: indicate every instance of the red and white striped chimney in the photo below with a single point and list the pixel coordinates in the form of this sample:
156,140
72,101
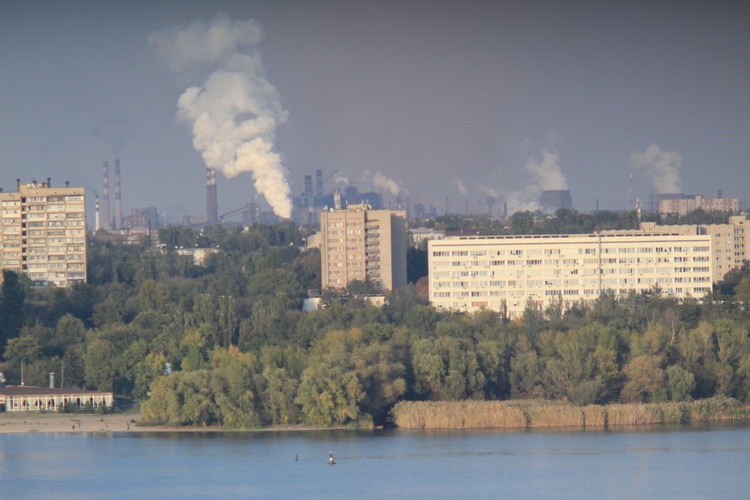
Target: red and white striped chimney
105,197
118,206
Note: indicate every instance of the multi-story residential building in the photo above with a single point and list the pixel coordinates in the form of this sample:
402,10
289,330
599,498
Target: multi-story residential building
43,233
730,242
504,273
358,243
683,205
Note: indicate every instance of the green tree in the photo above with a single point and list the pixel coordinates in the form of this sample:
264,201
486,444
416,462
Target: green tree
99,360
12,296
645,380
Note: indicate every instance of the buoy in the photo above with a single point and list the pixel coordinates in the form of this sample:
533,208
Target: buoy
331,461
296,457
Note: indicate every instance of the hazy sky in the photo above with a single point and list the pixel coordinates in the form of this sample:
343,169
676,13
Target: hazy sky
457,99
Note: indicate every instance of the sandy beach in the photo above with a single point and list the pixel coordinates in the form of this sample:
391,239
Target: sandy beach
23,422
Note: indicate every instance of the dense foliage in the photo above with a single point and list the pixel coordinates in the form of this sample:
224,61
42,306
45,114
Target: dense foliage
227,342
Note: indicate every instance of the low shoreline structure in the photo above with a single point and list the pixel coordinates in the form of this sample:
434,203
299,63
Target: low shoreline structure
519,414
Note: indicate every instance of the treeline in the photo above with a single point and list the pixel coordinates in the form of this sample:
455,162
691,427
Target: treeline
227,342
565,221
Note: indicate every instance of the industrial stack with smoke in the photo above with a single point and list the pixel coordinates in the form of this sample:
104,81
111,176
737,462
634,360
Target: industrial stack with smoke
235,111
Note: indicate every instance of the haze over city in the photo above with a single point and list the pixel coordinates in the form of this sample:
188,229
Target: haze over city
434,100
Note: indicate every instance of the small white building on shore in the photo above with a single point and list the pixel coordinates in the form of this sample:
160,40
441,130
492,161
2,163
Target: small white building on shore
20,398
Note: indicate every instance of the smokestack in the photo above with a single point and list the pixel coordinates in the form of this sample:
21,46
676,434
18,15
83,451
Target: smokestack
18,185
49,183
212,208
51,380
466,206
337,199
67,183
105,196
97,227
118,206
505,209
319,183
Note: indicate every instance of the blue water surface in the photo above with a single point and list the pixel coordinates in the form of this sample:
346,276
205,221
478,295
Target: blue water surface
705,461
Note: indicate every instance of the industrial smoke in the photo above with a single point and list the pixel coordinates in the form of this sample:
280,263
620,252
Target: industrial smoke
382,182
662,166
235,112
462,188
547,172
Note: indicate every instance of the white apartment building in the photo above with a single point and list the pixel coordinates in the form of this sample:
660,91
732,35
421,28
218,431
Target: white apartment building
468,273
730,242
43,233
364,245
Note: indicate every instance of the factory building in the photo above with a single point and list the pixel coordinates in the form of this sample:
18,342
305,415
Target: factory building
505,273
358,243
43,233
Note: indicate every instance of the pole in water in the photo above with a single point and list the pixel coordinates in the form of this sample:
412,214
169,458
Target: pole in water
296,457
331,461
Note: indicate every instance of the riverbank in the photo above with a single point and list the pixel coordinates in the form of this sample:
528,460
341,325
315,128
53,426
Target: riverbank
516,414
47,423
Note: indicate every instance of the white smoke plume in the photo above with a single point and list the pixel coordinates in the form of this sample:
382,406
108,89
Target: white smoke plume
235,112
380,181
340,179
662,166
462,188
488,191
547,172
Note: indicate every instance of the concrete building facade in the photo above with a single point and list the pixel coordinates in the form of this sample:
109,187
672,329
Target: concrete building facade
43,233
503,273
730,242
683,205
358,243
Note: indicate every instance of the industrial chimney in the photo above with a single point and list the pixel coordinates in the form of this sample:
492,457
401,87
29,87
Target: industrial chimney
105,196
212,209
97,227
337,199
118,206
319,184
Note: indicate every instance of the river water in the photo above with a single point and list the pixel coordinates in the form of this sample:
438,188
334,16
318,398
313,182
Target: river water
698,461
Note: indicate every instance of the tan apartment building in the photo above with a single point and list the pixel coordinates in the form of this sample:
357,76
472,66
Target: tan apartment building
730,242
43,233
503,273
358,243
684,205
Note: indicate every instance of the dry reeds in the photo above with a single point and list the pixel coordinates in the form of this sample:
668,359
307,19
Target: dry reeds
555,414
457,415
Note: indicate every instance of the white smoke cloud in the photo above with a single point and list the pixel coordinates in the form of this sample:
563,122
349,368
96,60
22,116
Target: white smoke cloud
380,181
488,191
663,167
547,172
462,188
235,113
340,179
523,200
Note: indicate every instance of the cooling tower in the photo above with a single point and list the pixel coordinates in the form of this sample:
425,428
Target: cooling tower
554,200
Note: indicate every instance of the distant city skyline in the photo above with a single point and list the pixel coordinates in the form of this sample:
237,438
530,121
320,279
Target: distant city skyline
450,102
